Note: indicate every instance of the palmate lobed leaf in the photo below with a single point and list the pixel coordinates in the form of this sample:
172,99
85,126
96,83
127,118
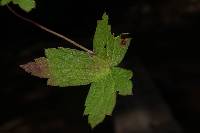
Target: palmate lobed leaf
69,67
26,5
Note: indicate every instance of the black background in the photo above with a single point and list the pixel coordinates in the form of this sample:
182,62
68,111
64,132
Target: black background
165,44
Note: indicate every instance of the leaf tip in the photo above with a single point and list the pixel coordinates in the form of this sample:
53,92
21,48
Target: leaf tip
38,67
105,16
93,121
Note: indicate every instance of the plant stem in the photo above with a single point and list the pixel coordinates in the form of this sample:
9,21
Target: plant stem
50,31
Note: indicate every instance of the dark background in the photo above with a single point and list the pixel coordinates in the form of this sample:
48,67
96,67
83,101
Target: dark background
163,56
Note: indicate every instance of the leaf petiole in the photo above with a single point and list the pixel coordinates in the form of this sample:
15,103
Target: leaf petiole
50,31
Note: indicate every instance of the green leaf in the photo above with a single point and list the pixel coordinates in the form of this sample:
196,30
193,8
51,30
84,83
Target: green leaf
5,2
102,36
122,79
101,100
116,51
69,67
26,5
106,45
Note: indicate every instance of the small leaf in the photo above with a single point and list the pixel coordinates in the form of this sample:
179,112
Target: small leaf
101,100
26,5
5,2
